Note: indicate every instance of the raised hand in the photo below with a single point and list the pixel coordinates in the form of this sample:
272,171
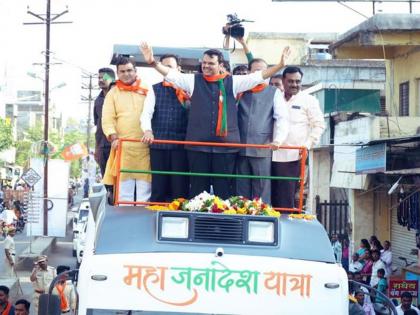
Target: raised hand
147,52
285,55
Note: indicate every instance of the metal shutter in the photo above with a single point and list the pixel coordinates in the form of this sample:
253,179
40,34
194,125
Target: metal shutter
402,241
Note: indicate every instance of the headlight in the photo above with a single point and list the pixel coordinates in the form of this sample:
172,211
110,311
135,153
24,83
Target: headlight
261,231
174,227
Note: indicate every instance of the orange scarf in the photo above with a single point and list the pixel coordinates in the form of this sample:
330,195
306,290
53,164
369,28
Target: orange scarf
256,89
64,304
181,95
135,87
7,309
221,128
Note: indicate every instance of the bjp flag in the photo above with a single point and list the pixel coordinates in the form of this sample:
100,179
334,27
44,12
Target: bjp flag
74,152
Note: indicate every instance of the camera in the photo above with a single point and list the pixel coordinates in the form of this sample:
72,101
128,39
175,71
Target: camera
234,27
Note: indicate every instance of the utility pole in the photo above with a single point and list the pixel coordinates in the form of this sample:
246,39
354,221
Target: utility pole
88,99
47,20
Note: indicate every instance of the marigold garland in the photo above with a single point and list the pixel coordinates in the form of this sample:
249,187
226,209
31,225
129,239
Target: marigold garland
206,202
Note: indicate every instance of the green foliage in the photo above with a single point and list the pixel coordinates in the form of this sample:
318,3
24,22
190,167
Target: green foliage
6,135
72,135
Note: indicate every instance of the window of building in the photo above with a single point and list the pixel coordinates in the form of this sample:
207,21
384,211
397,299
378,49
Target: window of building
404,99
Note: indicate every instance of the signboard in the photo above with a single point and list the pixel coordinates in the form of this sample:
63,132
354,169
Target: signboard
31,177
58,179
397,287
371,159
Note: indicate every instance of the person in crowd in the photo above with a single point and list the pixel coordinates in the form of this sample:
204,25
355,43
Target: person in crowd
406,304
41,277
345,256
336,246
306,127
106,76
376,244
22,307
355,265
381,286
121,113
386,257
6,307
10,252
276,80
411,312
165,117
363,250
377,264
86,188
261,120
213,115
1,196
367,307
367,267
240,70
64,288
357,276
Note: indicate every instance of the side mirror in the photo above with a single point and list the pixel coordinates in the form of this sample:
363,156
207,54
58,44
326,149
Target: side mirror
49,305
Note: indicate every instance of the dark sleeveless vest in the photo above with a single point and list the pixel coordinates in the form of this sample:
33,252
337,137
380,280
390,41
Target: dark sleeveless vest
203,115
170,118
256,120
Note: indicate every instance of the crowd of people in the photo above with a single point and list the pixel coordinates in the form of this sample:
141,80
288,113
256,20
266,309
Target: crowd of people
41,277
209,106
369,264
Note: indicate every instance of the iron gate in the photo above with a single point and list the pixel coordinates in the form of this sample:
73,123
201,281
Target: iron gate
333,215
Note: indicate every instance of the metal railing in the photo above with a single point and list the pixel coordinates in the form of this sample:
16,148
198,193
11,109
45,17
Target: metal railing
303,154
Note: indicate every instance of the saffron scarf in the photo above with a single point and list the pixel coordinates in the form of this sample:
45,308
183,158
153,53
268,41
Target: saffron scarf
7,309
256,89
135,87
181,95
64,304
221,127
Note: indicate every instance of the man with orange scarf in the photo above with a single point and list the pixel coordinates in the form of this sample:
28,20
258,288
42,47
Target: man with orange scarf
165,117
213,116
64,288
261,120
123,106
6,308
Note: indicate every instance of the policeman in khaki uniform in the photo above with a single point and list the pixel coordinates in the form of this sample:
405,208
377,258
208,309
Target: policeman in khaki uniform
41,277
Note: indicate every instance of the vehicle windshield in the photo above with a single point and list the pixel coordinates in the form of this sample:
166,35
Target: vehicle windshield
83,215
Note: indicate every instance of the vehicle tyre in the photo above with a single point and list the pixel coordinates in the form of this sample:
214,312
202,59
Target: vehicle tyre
74,253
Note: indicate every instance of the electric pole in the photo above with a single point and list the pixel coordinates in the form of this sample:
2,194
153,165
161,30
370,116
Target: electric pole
46,19
88,99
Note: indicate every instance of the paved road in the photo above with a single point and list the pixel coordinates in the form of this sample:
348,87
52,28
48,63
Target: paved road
61,254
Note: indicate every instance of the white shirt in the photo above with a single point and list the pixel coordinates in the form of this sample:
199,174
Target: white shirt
355,266
401,312
281,114
8,216
386,257
375,267
305,128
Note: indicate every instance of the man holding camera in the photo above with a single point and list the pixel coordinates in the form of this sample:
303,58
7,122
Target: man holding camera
41,277
213,116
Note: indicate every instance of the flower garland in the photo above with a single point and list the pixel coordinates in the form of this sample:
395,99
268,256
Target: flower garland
206,202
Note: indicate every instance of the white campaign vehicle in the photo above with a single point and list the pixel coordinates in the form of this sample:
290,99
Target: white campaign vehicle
80,243
138,261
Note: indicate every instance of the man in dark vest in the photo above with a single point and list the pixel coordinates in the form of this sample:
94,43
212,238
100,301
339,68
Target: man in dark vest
106,77
260,116
165,117
213,116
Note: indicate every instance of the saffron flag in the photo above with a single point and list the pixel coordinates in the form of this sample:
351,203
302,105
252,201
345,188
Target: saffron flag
74,152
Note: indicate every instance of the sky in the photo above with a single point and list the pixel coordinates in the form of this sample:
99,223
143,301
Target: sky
97,25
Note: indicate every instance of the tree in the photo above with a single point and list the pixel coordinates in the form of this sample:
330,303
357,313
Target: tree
6,134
